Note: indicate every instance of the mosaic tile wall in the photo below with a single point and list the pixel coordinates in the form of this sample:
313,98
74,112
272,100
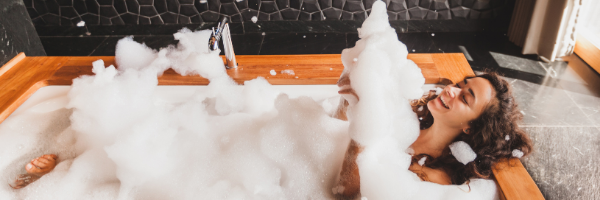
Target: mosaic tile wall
121,12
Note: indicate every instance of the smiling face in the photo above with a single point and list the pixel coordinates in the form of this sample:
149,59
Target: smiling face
462,102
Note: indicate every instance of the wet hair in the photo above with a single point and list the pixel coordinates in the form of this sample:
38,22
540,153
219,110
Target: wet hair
488,133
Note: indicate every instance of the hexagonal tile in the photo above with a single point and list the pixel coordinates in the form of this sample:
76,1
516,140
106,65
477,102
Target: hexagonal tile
108,11
134,7
338,3
275,16
418,12
147,11
169,18
145,2
310,6
210,16
268,7
325,3
482,5
397,5
130,18
247,14
444,14
354,6
440,5
283,4
460,12
332,13
290,14
403,15
189,9
412,3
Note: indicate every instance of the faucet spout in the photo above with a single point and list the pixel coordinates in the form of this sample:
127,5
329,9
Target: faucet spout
213,43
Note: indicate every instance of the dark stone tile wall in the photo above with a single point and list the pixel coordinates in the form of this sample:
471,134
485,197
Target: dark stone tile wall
17,33
121,12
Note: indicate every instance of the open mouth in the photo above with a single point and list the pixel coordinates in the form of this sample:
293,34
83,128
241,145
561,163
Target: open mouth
444,102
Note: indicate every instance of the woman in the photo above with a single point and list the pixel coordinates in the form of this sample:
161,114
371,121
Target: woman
480,111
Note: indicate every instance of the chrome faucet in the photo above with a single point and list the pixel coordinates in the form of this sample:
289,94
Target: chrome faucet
213,43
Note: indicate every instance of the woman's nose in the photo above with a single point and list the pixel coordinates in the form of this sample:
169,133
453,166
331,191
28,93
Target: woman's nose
452,91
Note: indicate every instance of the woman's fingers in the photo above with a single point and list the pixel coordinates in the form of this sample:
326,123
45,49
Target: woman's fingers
349,91
343,81
350,95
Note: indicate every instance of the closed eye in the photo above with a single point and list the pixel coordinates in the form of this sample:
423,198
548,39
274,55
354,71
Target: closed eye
463,97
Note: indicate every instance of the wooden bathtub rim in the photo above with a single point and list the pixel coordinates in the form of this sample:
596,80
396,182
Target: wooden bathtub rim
504,175
11,63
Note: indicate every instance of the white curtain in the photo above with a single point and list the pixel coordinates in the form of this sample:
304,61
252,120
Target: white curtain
551,33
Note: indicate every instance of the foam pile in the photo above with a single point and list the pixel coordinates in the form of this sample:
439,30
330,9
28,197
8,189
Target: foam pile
230,142
382,120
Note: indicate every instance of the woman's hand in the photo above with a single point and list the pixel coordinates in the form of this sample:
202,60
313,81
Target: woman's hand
346,89
349,97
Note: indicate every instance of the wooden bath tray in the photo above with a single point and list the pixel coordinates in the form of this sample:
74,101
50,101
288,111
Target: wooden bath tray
22,76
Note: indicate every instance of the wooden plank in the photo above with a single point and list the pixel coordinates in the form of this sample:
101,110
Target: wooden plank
588,52
308,70
452,66
12,62
515,182
24,78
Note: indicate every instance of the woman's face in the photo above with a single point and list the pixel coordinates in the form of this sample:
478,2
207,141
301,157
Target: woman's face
462,102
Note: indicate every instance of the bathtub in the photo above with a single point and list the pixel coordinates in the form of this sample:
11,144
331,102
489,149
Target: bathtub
27,81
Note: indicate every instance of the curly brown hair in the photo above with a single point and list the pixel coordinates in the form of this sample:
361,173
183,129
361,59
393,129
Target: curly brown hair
498,122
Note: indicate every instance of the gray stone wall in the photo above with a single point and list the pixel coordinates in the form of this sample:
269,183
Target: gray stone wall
17,33
121,12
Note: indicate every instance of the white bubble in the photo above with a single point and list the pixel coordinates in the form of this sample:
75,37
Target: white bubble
254,19
287,71
517,153
272,72
462,152
422,161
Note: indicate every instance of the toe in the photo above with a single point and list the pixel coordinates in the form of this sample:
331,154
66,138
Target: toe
39,163
50,156
44,161
31,168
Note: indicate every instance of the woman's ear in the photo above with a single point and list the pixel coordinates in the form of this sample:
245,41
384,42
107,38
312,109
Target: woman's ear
466,130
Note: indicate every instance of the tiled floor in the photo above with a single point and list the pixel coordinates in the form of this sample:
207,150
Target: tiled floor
560,100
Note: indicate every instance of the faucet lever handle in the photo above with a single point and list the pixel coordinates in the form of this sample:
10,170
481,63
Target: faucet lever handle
228,46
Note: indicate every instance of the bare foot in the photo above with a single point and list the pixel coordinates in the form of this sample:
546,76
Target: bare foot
35,169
